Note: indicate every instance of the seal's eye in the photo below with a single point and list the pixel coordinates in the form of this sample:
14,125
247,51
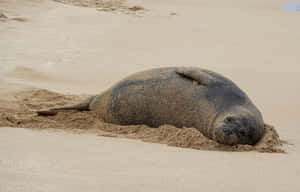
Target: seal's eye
229,119
242,132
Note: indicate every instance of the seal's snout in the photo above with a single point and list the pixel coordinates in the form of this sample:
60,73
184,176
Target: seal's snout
238,130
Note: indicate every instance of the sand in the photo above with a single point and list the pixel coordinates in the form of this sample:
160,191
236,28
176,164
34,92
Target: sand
113,6
28,102
54,53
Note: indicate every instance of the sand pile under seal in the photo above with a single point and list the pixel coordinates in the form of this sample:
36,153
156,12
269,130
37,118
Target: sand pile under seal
106,5
29,101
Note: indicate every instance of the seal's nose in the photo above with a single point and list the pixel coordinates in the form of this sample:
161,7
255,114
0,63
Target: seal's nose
236,130
226,135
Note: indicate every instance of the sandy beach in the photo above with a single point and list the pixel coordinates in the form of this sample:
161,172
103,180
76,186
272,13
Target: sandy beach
60,52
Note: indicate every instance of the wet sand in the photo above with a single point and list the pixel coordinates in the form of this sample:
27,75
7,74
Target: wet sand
78,51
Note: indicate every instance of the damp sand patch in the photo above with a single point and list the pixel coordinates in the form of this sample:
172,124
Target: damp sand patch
23,115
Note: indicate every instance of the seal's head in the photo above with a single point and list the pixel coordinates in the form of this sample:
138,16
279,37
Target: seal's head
239,127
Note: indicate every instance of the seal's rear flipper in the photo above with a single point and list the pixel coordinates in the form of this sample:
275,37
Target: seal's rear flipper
83,106
46,112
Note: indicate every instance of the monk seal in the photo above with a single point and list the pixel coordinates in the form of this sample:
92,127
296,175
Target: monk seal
183,97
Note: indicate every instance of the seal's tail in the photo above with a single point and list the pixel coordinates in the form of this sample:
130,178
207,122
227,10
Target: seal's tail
83,106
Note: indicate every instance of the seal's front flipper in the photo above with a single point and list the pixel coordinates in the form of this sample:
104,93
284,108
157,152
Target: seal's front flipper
83,106
46,112
195,74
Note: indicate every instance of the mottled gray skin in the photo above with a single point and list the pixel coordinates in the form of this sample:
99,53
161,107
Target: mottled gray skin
183,97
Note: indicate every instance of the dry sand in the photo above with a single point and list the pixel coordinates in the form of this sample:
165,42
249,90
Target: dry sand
75,51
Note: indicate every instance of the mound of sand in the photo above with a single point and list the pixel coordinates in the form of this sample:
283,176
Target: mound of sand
5,18
105,5
94,3
29,101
